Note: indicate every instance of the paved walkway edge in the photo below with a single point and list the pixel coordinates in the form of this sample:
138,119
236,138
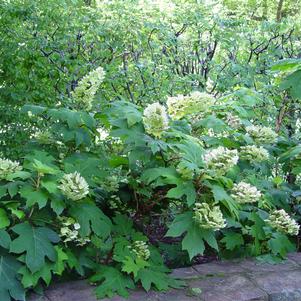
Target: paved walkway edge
237,280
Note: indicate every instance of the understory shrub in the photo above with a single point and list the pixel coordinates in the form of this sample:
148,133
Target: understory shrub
118,117
71,204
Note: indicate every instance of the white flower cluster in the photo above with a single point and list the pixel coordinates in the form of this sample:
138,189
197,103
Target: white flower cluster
111,183
208,217
8,167
261,134
87,87
254,153
221,159
69,232
233,121
43,137
140,249
196,102
155,119
74,186
244,193
282,222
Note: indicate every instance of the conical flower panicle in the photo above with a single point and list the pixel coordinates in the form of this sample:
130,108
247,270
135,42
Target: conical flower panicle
261,134
253,153
8,167
86,89
196,102
74,186
155,119
282,222
244,193
221,160
208,217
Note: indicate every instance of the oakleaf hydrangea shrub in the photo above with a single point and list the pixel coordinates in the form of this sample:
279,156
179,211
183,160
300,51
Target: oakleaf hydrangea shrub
82,198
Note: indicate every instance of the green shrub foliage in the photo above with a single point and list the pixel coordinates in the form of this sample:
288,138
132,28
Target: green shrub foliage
190,117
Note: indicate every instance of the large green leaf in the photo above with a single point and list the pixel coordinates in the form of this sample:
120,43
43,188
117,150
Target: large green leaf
180,224
112,282
195,238
9,283
36,243
154,276
91,218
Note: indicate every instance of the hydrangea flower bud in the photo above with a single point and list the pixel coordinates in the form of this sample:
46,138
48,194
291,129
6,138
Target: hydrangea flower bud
196,102
74,186
185,172
155,119
253,153
208,217
233,121
86,89
140,249
245,193
261,134
221,159
8,167
282,222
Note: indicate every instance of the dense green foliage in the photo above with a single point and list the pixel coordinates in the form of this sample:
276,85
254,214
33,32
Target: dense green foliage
116,112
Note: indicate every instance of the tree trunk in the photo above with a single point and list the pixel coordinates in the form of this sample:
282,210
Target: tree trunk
279,10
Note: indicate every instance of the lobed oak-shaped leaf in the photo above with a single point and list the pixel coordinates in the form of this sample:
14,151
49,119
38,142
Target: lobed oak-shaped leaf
36,243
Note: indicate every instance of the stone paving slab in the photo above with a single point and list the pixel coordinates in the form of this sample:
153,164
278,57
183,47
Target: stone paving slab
238,280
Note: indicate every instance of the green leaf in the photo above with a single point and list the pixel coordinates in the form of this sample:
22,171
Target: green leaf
130,265
50,186
36,243
9,283
154,276
193,241
13,188
152,174
4,239
3,191
292,83
43,168
286,65
91,218
232,240
112,282
33,196
291,153
180,224
280,244
183,189
30,279
62,257
4,220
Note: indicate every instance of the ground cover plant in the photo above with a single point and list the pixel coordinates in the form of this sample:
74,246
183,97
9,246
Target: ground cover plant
136,137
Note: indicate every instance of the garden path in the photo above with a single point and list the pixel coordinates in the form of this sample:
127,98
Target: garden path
244,280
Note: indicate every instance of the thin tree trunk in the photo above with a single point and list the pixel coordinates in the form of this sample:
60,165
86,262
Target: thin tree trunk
279,10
